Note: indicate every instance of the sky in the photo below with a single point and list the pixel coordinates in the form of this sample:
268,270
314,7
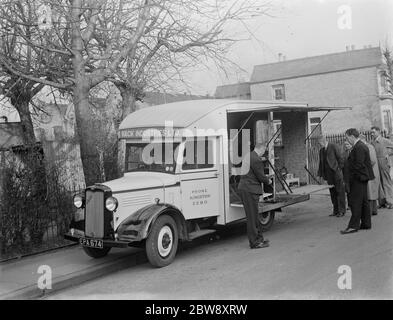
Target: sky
297,29
302,28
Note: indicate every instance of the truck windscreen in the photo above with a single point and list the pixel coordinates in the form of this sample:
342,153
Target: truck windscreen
157,157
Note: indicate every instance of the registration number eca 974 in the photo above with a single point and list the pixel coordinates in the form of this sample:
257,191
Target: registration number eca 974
93,243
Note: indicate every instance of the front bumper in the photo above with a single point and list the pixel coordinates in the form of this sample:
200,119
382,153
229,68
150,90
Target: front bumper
107,243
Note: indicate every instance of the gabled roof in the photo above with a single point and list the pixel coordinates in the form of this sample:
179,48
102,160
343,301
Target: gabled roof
184,114
348,60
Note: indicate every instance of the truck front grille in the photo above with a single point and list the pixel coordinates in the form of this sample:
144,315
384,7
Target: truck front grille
94,216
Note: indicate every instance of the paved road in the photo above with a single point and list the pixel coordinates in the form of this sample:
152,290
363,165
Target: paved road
301,263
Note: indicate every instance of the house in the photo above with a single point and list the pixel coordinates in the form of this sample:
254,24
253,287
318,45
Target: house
354,78
55,135
240,91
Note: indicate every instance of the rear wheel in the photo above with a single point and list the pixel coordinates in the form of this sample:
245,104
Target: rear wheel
266,219
96,253
162,242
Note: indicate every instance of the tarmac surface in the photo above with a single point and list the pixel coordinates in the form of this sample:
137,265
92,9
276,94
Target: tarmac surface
305,260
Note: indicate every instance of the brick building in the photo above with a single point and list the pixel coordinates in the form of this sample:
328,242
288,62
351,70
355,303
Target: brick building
354,78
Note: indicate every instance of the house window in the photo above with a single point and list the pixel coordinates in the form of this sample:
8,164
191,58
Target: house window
278,92
314,122
387,120
385,82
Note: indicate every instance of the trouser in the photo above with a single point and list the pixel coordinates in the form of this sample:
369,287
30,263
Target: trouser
386,194
254,227
361,214
373,206
337,193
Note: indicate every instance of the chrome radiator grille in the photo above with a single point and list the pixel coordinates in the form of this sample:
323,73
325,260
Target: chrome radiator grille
94,223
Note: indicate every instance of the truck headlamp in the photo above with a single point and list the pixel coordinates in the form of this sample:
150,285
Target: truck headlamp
78,201
111,203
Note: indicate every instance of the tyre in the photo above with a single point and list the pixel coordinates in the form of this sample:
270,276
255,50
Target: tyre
266,219
96,253
162,242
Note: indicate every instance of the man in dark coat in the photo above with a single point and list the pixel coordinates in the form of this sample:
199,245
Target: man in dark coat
331,164
250,188
360,172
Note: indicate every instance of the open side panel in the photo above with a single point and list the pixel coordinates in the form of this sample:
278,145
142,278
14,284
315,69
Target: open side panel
288,156
259,126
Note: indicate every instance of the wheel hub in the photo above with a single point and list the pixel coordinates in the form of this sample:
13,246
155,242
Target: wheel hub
265,217
165,241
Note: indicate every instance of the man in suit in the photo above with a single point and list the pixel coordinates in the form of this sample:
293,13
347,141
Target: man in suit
250,188
331,164
383,148
360,172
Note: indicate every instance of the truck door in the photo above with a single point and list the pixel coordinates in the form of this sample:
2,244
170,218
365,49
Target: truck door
201,178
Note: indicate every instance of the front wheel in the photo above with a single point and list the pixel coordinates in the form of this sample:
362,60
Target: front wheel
96,253
266,219
162,242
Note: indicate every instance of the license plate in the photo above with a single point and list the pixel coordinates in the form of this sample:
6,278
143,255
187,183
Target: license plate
93,243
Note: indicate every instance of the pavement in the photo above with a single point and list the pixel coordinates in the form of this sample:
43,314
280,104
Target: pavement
69,266
306,250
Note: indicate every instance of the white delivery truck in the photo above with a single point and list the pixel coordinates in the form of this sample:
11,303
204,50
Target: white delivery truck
182,163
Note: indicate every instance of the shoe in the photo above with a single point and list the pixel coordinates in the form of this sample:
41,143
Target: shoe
333,214
375,213
364,228
259,245
389,206
348,230
258,241
340,215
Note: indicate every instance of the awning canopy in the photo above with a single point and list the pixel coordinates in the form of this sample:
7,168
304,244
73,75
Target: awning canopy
285,108
185,113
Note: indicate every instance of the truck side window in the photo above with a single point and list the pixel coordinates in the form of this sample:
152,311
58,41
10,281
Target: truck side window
198,154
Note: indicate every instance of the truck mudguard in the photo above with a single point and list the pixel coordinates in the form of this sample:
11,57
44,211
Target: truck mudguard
137,226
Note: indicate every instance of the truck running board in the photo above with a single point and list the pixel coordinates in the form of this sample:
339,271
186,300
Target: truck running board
200,233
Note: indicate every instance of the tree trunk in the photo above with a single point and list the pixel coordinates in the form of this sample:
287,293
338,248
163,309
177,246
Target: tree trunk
85,130
128,101
101,165
28,135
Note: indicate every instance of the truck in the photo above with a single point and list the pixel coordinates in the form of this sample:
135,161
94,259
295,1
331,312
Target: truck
181,166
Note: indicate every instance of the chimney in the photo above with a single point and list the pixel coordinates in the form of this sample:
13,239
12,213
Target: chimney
279,56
